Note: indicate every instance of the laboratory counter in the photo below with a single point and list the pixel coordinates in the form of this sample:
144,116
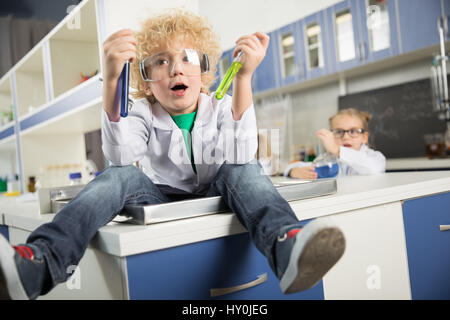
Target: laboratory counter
417,164
382,216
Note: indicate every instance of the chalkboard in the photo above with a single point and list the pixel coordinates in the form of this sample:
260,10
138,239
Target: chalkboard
401,116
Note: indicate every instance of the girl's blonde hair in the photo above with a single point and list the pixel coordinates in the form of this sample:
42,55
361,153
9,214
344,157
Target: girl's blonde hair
170,25
362,115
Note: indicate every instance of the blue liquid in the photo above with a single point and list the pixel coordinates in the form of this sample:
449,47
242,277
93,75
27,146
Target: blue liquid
327,171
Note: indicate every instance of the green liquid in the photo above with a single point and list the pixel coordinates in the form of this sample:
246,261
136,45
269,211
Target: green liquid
227,79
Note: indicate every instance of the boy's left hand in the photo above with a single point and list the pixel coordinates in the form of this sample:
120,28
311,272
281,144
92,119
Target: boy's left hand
328,141
254,48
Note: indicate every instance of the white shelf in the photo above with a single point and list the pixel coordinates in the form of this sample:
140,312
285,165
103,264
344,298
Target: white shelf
30,83
59,141
74,49
83,119
5,97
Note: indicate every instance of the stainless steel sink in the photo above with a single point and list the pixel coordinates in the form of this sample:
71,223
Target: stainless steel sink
289,189
54,199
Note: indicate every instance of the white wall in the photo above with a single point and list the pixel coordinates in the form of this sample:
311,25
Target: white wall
409,72
131,13
233,18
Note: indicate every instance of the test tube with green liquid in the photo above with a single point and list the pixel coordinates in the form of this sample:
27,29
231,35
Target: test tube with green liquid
229,76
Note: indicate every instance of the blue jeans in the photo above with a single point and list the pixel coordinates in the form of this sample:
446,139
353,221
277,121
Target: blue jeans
247,192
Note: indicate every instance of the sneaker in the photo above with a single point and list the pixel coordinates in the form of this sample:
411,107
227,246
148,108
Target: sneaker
13,258
304,255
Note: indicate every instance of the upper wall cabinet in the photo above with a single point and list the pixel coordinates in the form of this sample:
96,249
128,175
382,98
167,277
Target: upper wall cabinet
345,35
315,44
418,23
362,31
266,75
378,29
446,10
288,56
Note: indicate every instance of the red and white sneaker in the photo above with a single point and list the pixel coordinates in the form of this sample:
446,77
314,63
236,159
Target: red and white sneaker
304,255
14,261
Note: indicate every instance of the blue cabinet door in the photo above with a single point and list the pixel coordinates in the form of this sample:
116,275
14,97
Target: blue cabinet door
428,248
266,76
289,56
191,271
418,23
316,45
346,47
379,30
445,4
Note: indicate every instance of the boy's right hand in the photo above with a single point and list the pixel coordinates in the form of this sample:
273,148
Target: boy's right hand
118,48
307,173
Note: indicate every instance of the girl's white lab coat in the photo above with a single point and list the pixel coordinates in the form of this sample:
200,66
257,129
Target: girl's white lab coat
352,162
150,136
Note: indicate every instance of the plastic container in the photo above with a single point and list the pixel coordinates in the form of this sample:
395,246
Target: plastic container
326,166
13,186
75,178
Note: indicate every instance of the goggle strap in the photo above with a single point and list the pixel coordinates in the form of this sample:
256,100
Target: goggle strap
206,62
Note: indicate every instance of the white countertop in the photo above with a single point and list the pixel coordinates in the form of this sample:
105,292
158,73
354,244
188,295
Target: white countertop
353,192
417,163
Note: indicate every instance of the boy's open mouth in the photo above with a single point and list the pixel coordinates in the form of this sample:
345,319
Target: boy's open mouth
348,145
179,89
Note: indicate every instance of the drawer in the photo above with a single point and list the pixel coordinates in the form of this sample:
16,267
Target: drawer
191,271
428,248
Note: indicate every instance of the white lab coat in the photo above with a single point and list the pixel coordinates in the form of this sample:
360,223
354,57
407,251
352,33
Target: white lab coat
149,135
366,161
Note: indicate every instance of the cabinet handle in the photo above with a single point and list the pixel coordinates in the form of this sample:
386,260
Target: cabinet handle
363,51
222,291
359,51
446,25
444,227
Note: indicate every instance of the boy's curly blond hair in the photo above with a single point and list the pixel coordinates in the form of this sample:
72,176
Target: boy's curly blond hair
173,24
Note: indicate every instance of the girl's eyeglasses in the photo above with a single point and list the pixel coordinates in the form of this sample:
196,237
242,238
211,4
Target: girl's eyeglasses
353,133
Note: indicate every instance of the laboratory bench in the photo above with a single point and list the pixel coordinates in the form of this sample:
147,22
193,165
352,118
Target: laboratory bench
418,164
394,225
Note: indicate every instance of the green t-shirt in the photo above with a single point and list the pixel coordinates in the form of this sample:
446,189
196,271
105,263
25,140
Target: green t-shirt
186,122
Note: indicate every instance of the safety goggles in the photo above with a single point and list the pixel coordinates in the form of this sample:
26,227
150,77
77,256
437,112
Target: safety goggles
353,133
161,66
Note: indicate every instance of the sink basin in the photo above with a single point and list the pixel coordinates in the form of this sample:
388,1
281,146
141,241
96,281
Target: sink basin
289,189
54,199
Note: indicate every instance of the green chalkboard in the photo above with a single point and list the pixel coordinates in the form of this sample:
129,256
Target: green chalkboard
401,116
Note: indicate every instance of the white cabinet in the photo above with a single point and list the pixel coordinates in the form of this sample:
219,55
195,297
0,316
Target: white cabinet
98,276
374,265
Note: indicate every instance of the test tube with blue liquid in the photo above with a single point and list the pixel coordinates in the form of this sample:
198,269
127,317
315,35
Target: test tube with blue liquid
123,88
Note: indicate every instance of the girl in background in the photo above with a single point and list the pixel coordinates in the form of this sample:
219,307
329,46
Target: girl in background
347,140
